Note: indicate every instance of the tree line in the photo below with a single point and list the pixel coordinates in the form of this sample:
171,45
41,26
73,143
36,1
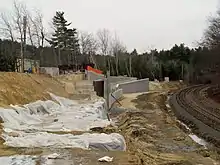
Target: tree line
24,35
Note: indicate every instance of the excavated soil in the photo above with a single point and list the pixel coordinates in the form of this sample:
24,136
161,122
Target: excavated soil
153,134
21,88
151,131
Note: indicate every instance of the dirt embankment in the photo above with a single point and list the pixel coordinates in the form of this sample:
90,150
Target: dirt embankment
152,133
19,88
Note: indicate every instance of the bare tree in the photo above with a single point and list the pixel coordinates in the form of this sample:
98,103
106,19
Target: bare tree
116,49
212,33
104,39
7,27
12,25
89,45
20,22
36,31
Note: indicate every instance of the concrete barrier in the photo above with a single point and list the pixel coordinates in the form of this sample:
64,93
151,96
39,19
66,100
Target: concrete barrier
117,95
125,85
53,71
135,86
92,76
120,79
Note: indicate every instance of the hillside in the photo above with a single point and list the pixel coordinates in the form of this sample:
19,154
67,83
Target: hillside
19,88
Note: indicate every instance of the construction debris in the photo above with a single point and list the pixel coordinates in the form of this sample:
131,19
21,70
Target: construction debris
106,159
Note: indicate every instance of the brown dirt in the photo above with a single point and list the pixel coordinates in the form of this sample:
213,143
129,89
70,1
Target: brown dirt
152,133
164,86
91,157
19,89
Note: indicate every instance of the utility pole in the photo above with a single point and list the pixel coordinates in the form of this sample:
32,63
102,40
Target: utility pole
24,44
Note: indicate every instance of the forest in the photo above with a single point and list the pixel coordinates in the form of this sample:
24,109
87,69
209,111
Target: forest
24,35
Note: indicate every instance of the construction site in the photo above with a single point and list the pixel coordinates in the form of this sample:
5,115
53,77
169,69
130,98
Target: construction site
53,120
109,82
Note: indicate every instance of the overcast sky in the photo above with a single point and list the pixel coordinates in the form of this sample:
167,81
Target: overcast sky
141,24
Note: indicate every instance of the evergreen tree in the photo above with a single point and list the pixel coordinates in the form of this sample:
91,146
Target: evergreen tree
64,38
72,41
134,52
61,26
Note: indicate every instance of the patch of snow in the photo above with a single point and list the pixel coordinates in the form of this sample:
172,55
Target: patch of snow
106,159
198,140
183,124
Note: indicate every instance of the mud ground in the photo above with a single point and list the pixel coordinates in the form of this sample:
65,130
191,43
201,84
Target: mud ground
154,135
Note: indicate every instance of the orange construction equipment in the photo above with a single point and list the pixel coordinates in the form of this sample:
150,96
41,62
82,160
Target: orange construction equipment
89,68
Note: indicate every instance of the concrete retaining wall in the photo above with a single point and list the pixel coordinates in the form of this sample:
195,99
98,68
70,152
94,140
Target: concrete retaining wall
120,79
117,94
135,86
92,76
53,71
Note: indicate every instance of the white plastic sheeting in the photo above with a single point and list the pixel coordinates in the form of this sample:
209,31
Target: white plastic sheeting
17,160
111,142
27,126
50,116
35,160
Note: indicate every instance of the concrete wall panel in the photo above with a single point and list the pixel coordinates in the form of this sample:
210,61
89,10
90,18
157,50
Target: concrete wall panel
120,79
113,79
135,86
117,94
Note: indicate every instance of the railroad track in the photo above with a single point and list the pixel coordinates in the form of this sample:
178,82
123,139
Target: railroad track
192,104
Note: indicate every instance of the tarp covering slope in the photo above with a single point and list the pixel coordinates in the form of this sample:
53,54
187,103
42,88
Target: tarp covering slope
28,126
